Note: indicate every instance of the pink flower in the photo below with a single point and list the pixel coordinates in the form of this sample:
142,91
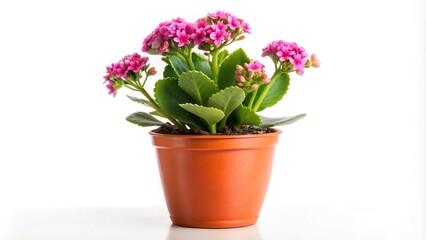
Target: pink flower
246,27
298,64
117,69
218,36
134,62
118,72
218,15
167,34
285,52
288,53
254,66
182,38
112,90
218,27
198,36
233,22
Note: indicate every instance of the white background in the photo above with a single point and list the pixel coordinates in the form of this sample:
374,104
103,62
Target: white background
64,141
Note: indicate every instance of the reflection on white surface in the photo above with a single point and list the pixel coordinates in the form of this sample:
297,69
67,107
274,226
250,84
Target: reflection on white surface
244,233
288,223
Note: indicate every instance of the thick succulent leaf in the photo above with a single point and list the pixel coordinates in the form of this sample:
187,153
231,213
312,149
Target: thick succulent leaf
178,64
222,55
143,119
198,86
227,68
270,122
227,99
140,101
209,114
276,92
244,116
169,95
157,114
202,64
169,72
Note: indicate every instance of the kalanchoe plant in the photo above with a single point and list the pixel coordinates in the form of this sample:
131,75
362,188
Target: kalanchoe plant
208,89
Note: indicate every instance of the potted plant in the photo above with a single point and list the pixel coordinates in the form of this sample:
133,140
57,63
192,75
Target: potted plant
214,150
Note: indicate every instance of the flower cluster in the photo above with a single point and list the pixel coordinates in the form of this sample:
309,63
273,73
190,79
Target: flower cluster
128,67
211,90
209,32
251,75
290,56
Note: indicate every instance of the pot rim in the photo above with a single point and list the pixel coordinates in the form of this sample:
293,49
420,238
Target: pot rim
216,136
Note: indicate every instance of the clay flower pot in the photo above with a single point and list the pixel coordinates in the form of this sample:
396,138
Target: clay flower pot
215,181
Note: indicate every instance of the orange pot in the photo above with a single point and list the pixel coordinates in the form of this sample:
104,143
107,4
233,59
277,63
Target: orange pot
215,181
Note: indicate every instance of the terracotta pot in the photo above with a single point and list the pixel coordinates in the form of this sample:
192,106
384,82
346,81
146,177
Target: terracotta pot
215,181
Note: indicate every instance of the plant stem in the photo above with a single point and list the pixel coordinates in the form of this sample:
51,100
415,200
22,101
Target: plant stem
213,128
253,96
264,92
222,123
190,62
215,65
143,84
132,88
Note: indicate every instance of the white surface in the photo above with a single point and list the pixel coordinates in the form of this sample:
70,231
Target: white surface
289,223
64,142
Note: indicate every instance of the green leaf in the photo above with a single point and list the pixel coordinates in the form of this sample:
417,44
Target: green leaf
276,92
228,67
270,122
169,95
227,99
169,72
198,86
140,101
179,64
209,114
157,114
244,116
143,119
222,55
202,64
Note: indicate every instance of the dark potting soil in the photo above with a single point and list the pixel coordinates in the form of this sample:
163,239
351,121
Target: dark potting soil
167,128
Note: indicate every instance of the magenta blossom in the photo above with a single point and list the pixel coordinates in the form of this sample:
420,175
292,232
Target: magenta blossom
134,62
221,15
119,73
254,66
182,38
198,36
169,35
219,34
233,22
287,53
112,90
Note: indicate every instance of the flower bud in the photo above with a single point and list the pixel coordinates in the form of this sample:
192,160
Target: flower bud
151,71
240,84
254,86
266,80
315,62
251,74
239,67
241,79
